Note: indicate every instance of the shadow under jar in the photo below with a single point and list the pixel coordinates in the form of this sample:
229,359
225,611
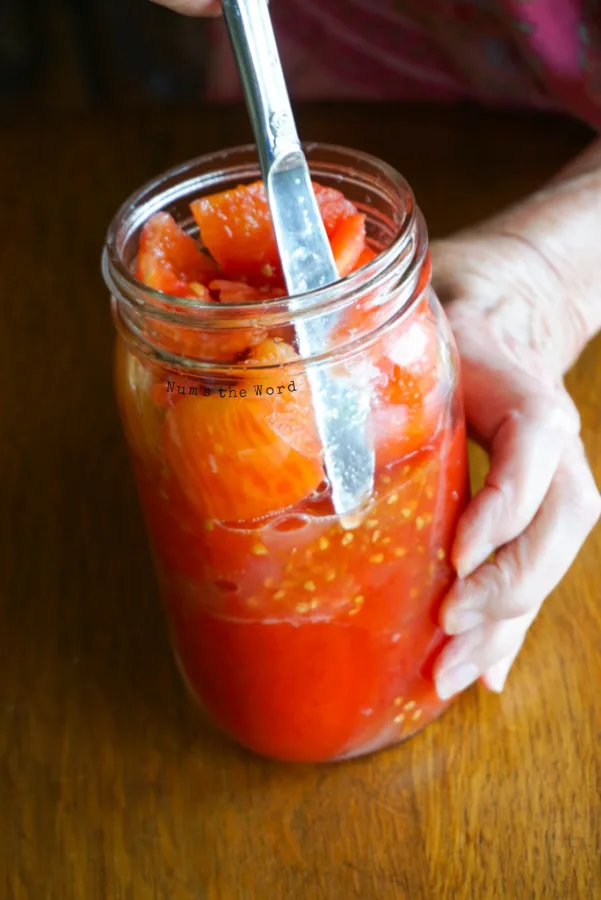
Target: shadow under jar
302,639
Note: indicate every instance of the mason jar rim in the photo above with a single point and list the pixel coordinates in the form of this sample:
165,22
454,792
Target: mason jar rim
398,260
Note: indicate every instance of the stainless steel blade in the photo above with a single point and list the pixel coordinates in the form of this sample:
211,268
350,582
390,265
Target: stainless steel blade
340,407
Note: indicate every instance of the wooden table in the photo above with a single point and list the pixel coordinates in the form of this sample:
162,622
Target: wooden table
110,788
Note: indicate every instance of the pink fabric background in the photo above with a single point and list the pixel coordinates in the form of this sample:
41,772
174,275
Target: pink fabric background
533,53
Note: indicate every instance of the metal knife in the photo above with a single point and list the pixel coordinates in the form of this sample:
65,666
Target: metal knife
340,408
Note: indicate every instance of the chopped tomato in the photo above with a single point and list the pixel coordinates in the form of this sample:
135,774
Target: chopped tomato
169,260
348,243
239,292
233,291
218,345
274,352
237,230
289,409
407,404
231,464
365,257
409,398
334,207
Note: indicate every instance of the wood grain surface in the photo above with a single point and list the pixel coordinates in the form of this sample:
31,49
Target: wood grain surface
110,788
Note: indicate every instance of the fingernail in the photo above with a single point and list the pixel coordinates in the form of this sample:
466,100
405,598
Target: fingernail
496,678
455,680
457,621
468,564
496,683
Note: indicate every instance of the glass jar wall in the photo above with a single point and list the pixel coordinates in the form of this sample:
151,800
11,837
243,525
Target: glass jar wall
303,636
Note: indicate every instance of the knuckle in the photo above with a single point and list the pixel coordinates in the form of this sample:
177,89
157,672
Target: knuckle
565,416
503,495
509,599
557,411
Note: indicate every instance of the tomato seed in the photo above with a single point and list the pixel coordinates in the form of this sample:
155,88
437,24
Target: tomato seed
259,550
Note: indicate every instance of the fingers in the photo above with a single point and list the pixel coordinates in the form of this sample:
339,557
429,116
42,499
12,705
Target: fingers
525,452
470,655
490,612
192,7
495,677
527,569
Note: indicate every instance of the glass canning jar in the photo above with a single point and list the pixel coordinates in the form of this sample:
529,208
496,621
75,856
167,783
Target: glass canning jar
301,639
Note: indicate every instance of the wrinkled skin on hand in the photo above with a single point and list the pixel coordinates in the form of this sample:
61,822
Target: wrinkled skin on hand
517,331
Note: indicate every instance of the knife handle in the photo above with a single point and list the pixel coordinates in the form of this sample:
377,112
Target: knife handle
257,58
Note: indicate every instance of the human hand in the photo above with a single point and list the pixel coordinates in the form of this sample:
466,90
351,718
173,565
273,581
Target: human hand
192,7
511,320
